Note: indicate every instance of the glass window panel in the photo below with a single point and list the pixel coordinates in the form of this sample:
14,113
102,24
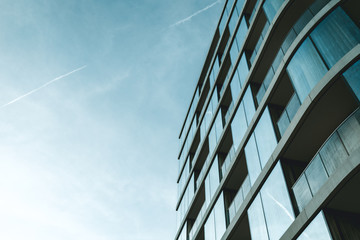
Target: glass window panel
238,125
350,133
260,94
239,6
335,36
265,137
216,67
288,40
235,86
293,106
214,177
218,125
241,33
209,228
239,198
352,76
246,186
243,69
317,6
333,153
303,20
302,192
317,229
283,123
249,105
229,5
269,76
234,52
277,60
271,7
219,213
316,174
257,220
252,159
276,202
212,141
232,22
305,69
254,10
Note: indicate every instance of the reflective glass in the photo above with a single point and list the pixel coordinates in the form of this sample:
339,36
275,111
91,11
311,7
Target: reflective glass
283,122
219,214
209,228
238,125
212,141
317,6
302,192
252,159
271,7
350,133
235,86
276,202
269,76
239,6
249,105
241,33
317,229
352,76
257,220
234,51
305,69
293,106
288,40
218,125
333,153
335,36
277,61
232,22
316,174
302,21
243,69
265,137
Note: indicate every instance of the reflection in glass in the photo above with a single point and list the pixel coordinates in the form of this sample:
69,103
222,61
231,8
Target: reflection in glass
335,36
249,105
252,159
265,137
316,174
317,229
350,133
306,69
302,192
238,125
271,7
276,202
352,76
333,153
257,220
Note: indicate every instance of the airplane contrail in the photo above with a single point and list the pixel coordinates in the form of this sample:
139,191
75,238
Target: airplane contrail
42,86
196,13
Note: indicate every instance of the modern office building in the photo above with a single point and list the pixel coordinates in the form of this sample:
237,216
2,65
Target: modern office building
270,145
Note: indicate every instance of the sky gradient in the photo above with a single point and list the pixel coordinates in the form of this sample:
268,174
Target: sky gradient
93,95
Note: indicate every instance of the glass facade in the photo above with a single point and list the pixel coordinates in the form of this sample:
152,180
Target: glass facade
229,174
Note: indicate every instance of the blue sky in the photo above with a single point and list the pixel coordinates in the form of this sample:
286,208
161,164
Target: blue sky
92,155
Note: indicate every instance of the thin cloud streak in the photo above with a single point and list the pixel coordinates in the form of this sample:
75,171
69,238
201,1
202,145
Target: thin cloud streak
196,13
42,86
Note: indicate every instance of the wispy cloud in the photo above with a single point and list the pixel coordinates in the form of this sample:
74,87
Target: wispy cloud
42,86
196,13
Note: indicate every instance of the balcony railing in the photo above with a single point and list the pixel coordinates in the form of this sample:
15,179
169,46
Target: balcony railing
342,142
239,198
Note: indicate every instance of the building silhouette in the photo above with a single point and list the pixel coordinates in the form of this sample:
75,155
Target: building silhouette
270,145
